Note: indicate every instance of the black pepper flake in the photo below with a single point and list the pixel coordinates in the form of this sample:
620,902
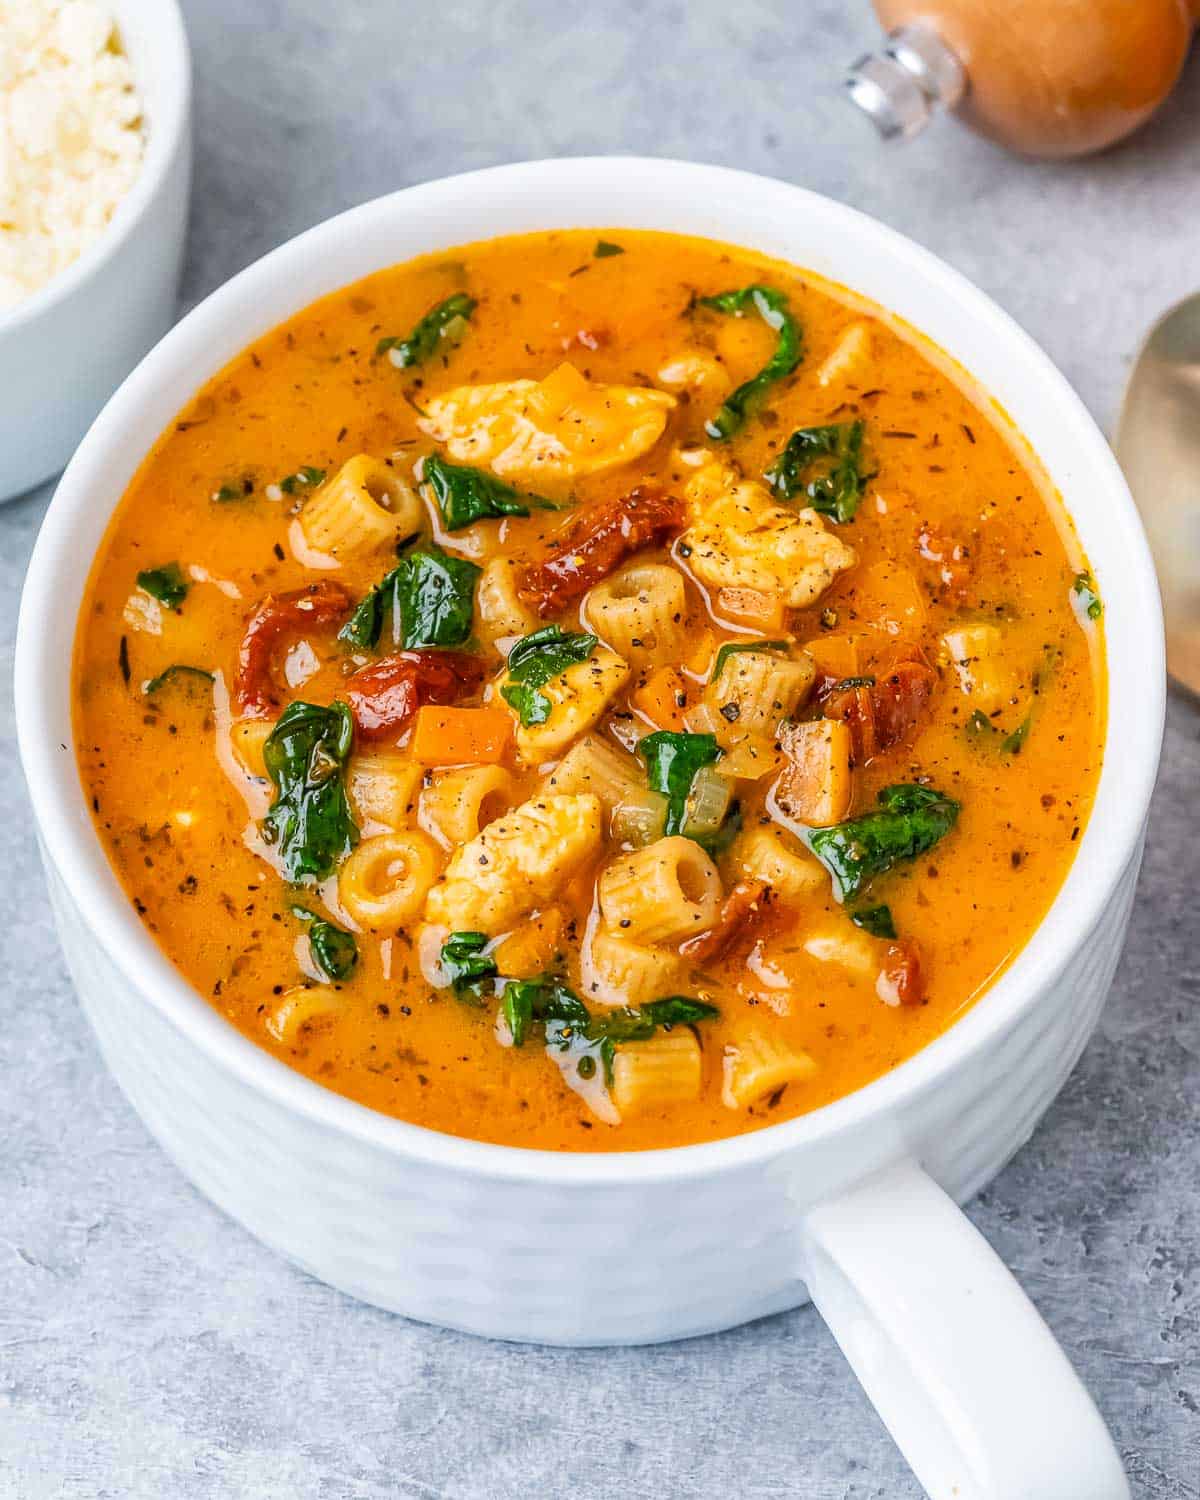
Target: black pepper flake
123,658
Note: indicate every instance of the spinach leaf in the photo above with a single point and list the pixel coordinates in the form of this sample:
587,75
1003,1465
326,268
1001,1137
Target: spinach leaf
309,821
909,823
672,760
824,465
232,489
304,475
334,951
772,307
465,962
877,920
981,731
170,674
466,495
731,648
431,596
447,322
533,661
605,248
166,584
567,1020
1084,589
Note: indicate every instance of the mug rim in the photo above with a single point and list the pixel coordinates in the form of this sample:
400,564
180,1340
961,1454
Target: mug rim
75,855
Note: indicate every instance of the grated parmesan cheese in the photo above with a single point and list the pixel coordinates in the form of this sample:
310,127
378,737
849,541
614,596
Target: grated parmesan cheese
70,136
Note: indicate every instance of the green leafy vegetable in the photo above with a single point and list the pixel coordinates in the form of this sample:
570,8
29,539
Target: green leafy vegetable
309,822
533,661
731,648
334,951
672,760
170,674
1084,589
909,823
605,248
431,597
304,475
823,465
445,323
465,962
232,489
166,584
772,307
877,920
567,1020
466,495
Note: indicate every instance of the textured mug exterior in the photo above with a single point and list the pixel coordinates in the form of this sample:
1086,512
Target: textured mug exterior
660,1244
661,1260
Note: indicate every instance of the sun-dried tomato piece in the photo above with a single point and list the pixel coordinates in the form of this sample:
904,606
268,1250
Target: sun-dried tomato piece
899,698
384,696
884,712
597,539
742,912
902,976
274,619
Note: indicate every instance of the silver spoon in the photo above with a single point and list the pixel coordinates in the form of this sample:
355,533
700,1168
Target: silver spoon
1158,446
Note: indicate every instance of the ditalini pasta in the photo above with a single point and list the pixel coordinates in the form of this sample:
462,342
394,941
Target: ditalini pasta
590,712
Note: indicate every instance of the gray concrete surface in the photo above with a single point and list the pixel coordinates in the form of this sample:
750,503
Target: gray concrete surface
148,1347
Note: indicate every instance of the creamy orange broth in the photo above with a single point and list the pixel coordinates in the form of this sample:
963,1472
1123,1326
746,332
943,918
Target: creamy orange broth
171,805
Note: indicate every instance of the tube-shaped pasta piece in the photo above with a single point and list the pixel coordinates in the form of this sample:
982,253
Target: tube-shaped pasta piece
813,789
768,857
578,697
654,1074
498,606
458,804
383,787
757,1063
696,370
298,1006
848,947
641,613
976,654
849,356
517,864
362,507
618,971
594,766
663,893
384,882
754,690
249,737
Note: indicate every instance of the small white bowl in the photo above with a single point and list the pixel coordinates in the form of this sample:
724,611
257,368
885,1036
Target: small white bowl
852,1204
66,348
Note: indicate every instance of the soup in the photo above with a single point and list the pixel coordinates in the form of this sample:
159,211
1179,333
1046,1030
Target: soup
590,692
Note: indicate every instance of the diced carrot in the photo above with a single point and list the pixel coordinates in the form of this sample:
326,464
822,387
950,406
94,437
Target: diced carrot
663,697
752,607
461,736
531,948
835,655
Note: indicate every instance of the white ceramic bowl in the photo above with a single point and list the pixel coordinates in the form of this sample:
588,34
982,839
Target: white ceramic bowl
853,1204
66,348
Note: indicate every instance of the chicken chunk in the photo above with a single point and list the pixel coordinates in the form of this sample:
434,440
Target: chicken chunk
739,538
518,863
558,428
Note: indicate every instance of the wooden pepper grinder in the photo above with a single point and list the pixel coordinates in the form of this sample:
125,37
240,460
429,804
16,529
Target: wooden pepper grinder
1042,77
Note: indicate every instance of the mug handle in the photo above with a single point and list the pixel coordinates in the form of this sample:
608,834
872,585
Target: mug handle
970,1382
